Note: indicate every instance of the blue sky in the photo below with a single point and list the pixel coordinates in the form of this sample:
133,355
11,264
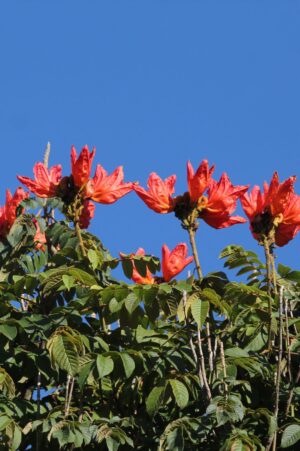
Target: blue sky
152,84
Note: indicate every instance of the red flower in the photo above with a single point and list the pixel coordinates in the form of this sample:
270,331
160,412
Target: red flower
106,189
276,210
136,276
81,166
46,181
8,212
197,183
87,214
220,203
175,261
159,195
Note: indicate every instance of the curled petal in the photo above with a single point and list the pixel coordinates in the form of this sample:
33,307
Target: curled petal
158,197
46,181
173,262
81,166
107,189
198,182
221,203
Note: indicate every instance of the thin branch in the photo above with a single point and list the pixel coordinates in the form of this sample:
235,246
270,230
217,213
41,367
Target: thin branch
223,363
192,346
291,393
67,394
191,233
79,236
202,362
278,373
269,289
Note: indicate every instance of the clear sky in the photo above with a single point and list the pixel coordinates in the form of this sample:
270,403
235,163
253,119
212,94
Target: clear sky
151,84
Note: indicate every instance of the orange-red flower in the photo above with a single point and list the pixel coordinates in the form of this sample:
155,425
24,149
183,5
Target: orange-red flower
87,214
106,189
136,276
8,212
173,262
46,180
220,203
159,194
275,212
198,182
81,166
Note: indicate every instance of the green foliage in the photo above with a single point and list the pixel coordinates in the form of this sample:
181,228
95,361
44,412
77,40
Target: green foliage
89,362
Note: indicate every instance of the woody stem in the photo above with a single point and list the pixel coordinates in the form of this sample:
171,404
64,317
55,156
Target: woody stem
191,232
269,288
79,236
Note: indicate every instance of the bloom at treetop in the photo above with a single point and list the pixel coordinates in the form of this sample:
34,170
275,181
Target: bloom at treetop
215,208
173,262
46,180
87,213
8,212
274,213
159,194
198,182
81,166
106,189
136,276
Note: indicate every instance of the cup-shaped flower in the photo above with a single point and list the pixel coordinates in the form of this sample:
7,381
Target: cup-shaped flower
87,214
106,189
136,276
158,197
173,262
198,182
46,181
220,203
8,212
81,166
273,213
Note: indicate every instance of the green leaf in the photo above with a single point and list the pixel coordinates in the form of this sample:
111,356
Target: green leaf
236,352
283,270
141,266
4,421
199,311
68,281
82,276
180,393
131,302
127,267
17,438
105,365
93,258
9,331
290,436
7,384
128,363
154,399
63,352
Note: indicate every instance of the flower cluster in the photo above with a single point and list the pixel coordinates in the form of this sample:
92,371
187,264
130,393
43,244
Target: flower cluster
78,190
274,213
212,201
